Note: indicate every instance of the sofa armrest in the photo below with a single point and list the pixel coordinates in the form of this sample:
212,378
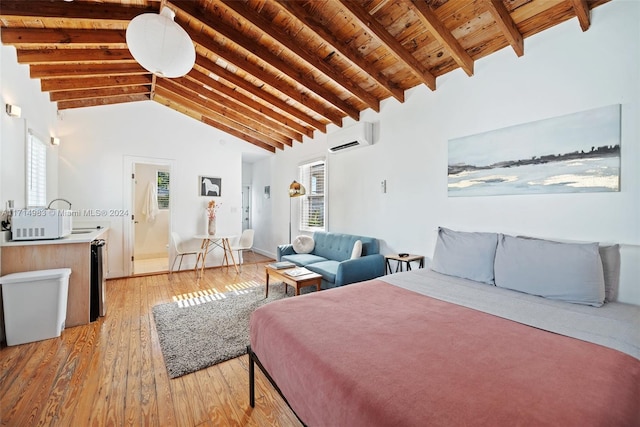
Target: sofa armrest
359,269
284,250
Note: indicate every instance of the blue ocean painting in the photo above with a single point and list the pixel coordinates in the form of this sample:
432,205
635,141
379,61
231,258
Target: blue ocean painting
575,153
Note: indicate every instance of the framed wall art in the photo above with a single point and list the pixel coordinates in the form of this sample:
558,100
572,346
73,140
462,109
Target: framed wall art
576,153
210,186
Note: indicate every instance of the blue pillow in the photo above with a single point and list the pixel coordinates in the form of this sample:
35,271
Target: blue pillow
465,254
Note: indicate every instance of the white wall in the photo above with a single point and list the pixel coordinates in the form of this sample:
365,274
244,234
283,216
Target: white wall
564,70
90,167
38,113
94,174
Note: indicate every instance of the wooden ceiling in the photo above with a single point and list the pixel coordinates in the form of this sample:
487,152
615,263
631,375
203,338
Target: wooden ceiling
271,71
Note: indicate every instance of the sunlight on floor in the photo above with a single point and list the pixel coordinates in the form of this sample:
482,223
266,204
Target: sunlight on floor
210,295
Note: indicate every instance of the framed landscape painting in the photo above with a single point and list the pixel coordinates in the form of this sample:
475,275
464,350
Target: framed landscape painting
575,153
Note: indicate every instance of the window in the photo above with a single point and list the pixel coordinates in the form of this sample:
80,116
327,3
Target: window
162,179
36,171
312,205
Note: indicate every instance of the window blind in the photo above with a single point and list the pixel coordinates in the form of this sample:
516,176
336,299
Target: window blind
162,186
312,205
36,172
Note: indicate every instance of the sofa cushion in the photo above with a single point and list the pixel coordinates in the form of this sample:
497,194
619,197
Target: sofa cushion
328,269
303,244
338,247
303,259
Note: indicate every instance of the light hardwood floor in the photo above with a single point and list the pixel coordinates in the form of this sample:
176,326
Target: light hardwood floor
111,372
151,266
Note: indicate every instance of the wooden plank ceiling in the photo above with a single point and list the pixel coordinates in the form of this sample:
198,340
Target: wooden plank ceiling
271,71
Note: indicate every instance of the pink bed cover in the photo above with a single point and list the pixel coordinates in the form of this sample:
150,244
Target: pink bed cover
373,354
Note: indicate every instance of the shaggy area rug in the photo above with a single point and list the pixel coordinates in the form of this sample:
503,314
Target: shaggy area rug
199,333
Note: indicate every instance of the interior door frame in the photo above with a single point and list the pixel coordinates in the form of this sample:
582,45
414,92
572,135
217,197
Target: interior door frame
127,196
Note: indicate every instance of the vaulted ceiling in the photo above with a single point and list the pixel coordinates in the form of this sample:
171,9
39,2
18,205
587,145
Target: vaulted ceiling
271,71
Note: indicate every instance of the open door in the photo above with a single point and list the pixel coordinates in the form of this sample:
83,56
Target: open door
246,207
150,226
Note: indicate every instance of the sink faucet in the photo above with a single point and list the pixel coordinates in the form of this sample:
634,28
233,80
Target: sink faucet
55,200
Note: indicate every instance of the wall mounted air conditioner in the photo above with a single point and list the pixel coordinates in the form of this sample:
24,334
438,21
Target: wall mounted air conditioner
358,135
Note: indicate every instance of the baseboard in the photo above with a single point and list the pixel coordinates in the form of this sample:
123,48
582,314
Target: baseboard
265,253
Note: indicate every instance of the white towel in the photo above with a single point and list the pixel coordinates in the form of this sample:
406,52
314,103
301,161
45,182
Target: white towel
150,204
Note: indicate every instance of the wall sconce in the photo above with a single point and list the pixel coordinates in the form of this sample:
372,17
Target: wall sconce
55,141
14,110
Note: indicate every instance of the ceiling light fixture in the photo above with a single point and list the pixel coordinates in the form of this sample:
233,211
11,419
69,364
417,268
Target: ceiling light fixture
160,45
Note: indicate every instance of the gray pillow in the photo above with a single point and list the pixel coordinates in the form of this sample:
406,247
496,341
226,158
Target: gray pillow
465,254
610,255
570,272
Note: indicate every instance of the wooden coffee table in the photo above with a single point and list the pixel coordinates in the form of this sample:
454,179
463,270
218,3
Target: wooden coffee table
298,282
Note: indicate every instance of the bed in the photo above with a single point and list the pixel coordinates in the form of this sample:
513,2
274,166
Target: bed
427,348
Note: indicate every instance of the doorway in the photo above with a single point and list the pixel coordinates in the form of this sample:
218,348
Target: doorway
151,218
246,207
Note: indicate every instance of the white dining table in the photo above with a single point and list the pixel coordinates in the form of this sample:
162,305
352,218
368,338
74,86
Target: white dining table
209,243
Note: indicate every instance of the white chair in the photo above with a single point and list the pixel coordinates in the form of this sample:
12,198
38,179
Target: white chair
245,243
183,248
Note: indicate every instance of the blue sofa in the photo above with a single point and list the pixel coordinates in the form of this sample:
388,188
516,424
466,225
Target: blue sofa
331,257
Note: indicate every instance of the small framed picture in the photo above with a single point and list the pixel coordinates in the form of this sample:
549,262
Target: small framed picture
210,186
267,191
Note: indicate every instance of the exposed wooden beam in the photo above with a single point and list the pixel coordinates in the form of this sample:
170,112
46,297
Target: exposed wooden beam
443,35
236,96
506,24
171,103
50,71
114,39
276,83
229,113
243,136
245,43
212,67
68,95
582,12
297,11
181,104
83,11
82,103
75,83
395,48
295,48
53,56
221,102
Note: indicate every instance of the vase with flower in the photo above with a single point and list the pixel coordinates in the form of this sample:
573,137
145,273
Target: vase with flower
211,217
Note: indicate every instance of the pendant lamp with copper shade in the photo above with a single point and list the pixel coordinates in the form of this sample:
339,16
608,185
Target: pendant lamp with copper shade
295,190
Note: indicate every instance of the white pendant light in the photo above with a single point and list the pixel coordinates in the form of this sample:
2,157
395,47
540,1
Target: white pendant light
160,45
